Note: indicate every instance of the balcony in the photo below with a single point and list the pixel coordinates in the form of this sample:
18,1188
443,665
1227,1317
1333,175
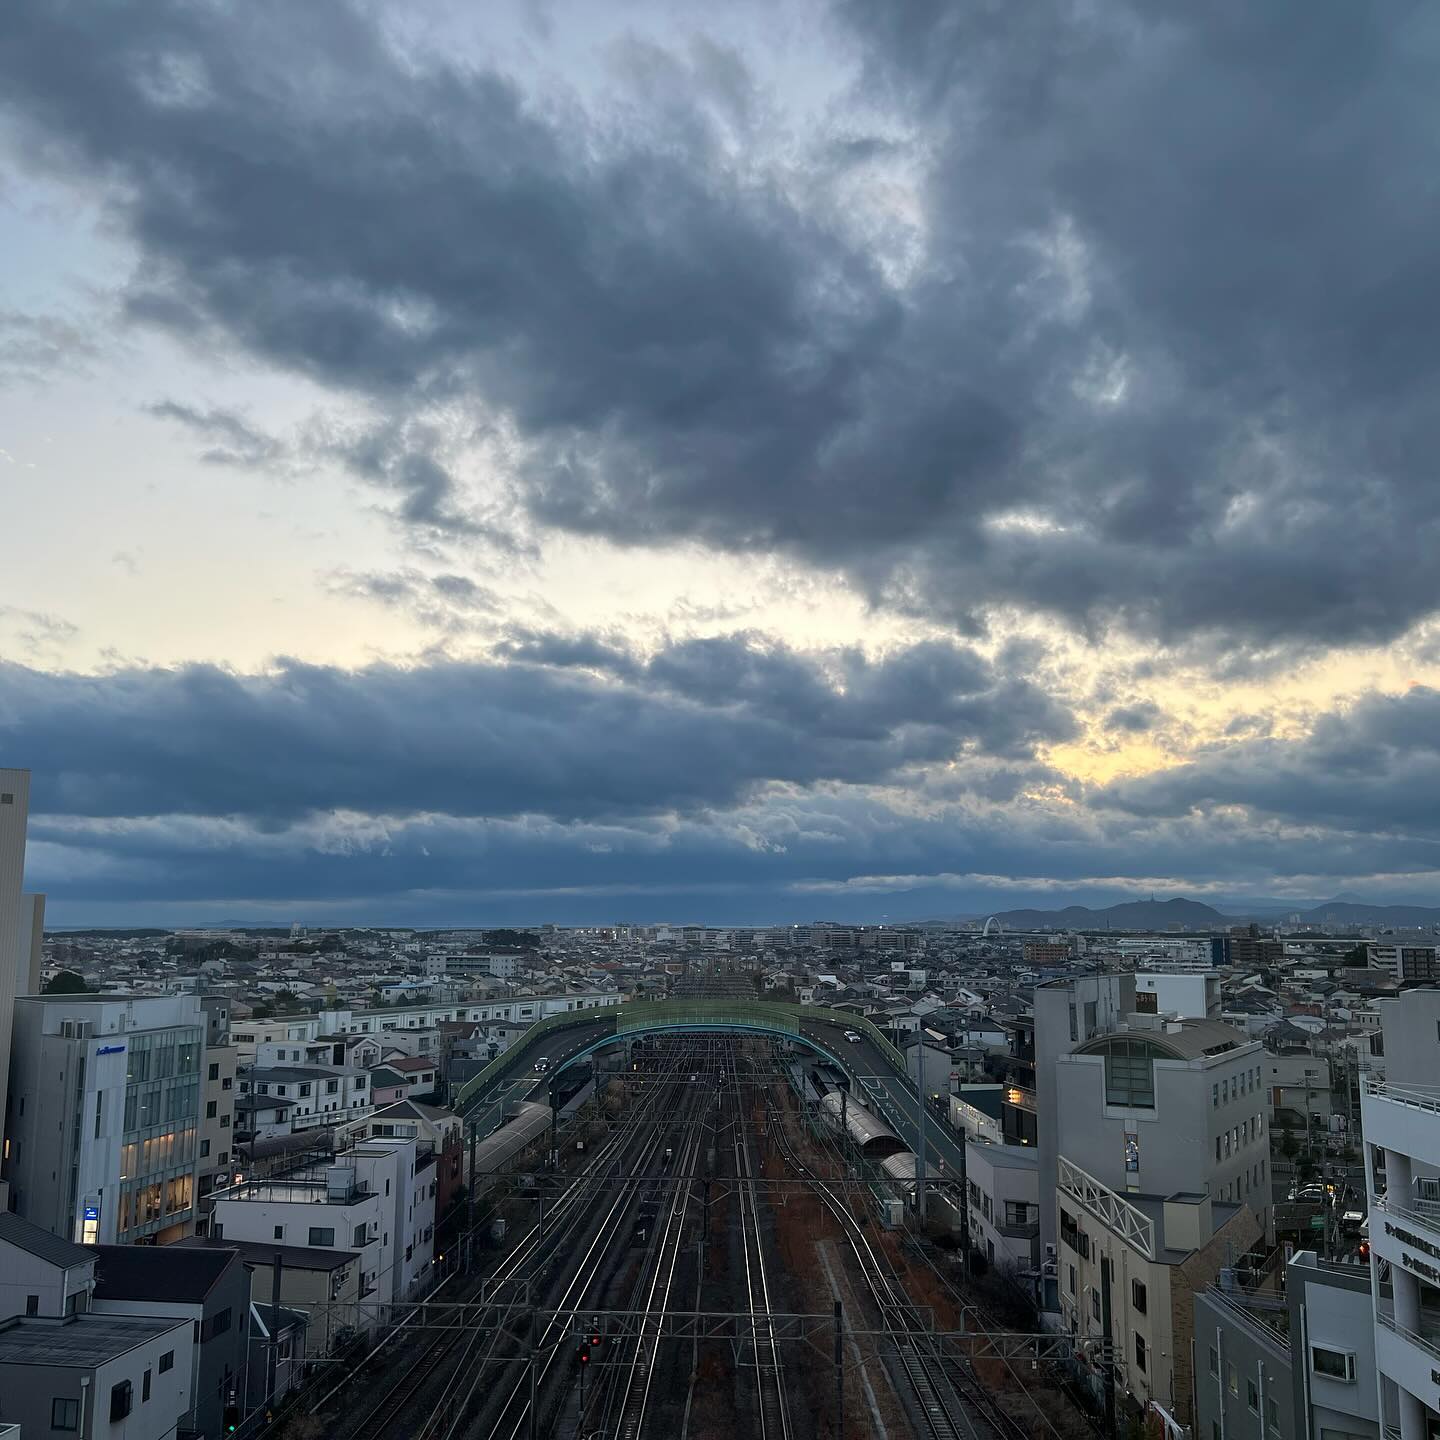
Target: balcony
1404,1118
1427,1337
1414,1209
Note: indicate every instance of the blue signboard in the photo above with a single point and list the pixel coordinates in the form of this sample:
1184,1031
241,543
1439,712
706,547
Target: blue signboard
111,1050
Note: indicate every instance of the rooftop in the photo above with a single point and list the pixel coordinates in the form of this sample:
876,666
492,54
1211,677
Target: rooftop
147,1272
42,1244
262,1253
79,1341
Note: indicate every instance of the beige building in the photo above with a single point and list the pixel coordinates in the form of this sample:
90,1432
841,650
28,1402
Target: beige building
217,1122
1150,1254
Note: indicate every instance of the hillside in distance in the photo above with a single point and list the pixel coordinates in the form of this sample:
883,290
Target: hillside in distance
1128,915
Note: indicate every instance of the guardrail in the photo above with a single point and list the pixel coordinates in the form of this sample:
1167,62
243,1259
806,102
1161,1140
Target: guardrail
641,1015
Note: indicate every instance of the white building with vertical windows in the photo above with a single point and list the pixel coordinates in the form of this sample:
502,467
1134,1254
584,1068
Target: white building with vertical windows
103,1140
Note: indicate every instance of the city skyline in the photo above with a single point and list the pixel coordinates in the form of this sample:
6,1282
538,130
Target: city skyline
822,460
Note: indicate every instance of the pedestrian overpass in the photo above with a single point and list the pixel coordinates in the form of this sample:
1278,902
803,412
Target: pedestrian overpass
570,1038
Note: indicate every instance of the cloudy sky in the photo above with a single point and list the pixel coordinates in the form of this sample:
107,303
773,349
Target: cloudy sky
790,458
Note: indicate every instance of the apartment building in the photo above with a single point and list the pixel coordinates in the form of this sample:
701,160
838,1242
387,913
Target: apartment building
377,1199
1002,1184
103,1141
1410,964
1400,1119
280,1100
217,1120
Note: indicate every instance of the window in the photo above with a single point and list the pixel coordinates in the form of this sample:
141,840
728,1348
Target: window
224,1122
1252,1396
322,1235
122,1399
32,1304
1075,1027
1272,1415
1214,1096
305,1089
1017,1212
167,1361
331,1087
359,1239
1137,1296
1072,1279
1333,1364
1232,1380
1095,1301
204,1149
145,1387
1130,1074
214,1072
212,1108
64,1414
221,1323
226,1083
279,1232
1214,1361
1139,1352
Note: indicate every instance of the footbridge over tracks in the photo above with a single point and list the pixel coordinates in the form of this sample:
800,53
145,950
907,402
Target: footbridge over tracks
563,1040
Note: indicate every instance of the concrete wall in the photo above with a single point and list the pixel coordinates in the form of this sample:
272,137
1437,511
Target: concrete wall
1240,1348
1412,1040
1330,1305
23,1274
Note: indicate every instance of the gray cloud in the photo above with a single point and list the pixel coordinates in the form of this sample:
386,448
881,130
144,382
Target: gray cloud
1367,770
1136,719
495,740
230,438
1176,305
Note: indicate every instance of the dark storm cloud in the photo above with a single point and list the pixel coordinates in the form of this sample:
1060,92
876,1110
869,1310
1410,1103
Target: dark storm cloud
1177,305
491,739
1368,770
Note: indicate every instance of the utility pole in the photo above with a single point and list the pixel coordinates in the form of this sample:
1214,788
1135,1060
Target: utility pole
272,1350
920,1126
1107,1336
839,1371
534,1383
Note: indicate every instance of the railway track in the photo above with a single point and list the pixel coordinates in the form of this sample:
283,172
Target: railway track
930,1378
541,1382
774,1417
461,1348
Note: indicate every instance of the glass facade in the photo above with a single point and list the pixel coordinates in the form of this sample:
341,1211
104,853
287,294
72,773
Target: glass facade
162,1121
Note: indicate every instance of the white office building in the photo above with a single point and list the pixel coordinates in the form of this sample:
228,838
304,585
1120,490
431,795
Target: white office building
105,1115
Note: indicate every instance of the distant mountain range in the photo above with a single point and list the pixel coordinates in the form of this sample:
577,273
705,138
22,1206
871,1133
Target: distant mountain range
1180,913
1129,915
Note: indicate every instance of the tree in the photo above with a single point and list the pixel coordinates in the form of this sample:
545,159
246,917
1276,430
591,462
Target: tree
66,982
